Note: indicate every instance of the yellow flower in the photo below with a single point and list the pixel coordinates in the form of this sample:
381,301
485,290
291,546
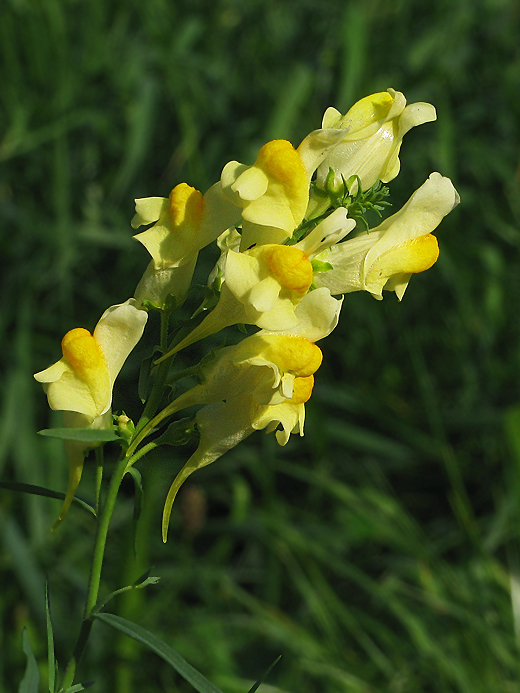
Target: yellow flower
373,132
273,193
265,285
402,245
80,383
184,224
261,383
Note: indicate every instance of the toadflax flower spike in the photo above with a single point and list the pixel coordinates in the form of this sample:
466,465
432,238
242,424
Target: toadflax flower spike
80,383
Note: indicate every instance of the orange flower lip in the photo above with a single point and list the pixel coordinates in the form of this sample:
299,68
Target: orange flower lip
291,267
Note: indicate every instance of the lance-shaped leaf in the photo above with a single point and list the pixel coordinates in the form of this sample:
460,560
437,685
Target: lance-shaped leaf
171,656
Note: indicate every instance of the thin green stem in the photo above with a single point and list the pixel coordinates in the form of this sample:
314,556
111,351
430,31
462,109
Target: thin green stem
155,395
95,572
192,370
140,453
101,537
165,319
99,475
160,375
172,408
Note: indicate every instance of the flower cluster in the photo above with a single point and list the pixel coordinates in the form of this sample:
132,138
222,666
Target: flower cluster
290,248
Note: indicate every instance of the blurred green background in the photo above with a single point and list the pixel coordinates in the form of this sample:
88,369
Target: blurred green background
380,553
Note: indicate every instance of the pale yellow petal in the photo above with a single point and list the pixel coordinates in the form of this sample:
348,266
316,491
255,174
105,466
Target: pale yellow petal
315,147
71,393
222,425
242,272
264,294
251,184
148,210
118,331
157,284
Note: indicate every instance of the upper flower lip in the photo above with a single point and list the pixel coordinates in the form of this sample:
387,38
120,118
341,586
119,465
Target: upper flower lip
272,193
184,224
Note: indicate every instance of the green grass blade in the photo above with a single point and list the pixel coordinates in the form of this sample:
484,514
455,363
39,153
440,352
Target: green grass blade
31,679
50,642
264,676
173,658
78,687
41,491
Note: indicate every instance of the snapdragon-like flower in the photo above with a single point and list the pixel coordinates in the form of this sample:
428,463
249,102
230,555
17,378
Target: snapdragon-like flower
272,193
185,222
402,245
264,286
80,383
373,132
261,383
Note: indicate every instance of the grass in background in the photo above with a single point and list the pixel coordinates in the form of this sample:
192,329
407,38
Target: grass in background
379,553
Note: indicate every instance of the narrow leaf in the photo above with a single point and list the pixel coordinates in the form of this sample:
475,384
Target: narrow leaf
41,491
83,435
173,658
78,687
50,642
31,679
264,676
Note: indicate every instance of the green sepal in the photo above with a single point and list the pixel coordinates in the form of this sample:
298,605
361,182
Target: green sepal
46,492
337,195
211,294
171,656
125,426
170,304
319,266
149,305
82,435
31,678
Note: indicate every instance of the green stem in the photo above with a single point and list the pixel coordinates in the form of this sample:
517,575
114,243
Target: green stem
140,453
155,395
172,408
95,572
165,318
161,373
101,537
99,475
